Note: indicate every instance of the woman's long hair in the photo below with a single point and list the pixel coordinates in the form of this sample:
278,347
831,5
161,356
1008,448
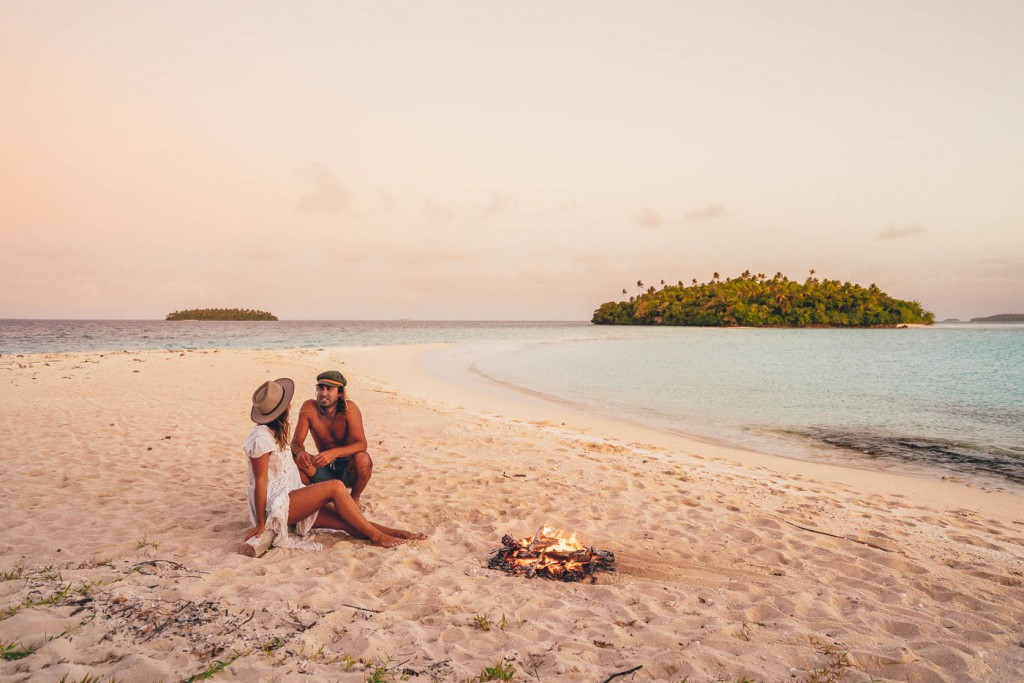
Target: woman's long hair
280,429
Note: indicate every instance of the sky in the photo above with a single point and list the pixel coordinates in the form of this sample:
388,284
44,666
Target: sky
503,161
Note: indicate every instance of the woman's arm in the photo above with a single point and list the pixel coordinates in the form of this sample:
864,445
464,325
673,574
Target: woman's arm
260,466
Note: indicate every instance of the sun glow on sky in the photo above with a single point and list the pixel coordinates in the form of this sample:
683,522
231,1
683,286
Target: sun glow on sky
478,160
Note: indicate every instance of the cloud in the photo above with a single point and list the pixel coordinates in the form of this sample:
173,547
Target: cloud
705,213
413,254
894,232
456,212
648,218
327,195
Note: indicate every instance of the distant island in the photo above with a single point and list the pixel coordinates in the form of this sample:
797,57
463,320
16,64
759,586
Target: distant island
757,301
1001,318
221,314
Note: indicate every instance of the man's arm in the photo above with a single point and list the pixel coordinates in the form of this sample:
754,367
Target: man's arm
302,459
356,438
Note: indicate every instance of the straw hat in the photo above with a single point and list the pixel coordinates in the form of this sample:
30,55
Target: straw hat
271,400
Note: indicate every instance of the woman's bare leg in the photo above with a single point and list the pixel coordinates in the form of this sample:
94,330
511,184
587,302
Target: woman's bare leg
327,518
399,533
310,499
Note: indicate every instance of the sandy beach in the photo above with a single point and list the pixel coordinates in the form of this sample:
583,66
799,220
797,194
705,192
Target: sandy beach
123,499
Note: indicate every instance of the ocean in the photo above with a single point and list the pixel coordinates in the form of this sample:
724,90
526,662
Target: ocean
947,399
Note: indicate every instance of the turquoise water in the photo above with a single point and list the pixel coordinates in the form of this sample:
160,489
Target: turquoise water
949,397
52,336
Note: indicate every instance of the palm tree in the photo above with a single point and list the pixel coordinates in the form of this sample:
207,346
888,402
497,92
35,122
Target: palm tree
639,286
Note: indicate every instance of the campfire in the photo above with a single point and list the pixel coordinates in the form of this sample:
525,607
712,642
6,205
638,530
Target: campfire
551,555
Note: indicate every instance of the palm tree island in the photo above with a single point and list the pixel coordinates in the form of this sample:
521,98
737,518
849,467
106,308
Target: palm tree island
221,314
757,301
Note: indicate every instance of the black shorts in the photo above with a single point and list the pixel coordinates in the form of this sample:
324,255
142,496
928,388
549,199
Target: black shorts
342,469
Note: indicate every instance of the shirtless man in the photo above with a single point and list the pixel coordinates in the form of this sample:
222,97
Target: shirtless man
337,428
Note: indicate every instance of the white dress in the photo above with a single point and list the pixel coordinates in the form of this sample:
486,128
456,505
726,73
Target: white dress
282,477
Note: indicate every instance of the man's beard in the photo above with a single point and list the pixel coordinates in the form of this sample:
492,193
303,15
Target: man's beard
326,410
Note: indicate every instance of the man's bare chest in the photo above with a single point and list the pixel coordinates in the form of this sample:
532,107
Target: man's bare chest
330,429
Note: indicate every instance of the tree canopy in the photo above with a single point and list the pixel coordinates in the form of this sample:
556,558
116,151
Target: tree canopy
757,301
221,314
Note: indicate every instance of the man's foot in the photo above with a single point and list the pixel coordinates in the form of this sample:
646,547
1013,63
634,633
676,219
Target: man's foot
359,506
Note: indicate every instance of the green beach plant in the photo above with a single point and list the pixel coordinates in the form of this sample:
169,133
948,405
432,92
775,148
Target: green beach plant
501,671
215,667
12,651
144,544
12,574
380,673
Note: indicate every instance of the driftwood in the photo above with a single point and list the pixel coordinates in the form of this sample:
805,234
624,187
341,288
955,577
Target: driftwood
623,673
257,545
871,544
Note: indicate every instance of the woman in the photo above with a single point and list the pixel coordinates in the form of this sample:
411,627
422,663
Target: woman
276,495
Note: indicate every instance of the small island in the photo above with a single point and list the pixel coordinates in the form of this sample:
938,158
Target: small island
757,301
1001,318
221,314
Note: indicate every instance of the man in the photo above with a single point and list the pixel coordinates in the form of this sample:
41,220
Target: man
337,428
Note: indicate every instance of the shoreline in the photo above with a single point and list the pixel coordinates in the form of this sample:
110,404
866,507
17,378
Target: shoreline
121,560
811,450
403,368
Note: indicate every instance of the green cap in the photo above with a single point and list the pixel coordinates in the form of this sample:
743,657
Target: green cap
332,378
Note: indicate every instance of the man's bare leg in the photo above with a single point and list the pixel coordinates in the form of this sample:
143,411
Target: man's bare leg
360,469
311,499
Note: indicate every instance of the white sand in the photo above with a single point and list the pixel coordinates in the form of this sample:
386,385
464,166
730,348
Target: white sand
123,500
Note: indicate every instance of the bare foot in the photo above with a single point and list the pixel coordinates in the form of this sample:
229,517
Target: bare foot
385,541
359,506
411,535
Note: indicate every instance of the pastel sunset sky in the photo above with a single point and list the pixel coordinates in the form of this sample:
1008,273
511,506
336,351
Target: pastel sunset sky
503,160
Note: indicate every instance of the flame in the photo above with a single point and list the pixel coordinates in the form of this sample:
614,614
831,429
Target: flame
545,541
548,540
553,553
